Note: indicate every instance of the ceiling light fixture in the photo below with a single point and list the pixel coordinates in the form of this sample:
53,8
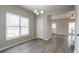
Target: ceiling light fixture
37,11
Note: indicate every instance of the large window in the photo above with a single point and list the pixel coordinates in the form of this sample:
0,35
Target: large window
54,27
16,25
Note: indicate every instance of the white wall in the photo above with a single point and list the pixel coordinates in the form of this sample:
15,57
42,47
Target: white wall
49,27
17,10
62,25
40,27
77,29
43,26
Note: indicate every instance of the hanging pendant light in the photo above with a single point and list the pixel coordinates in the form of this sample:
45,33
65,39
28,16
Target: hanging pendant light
41,11
37,11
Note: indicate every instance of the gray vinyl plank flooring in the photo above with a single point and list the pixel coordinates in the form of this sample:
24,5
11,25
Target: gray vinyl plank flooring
57,44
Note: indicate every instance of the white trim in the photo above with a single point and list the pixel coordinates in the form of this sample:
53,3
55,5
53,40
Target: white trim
15,44
45,38
48,38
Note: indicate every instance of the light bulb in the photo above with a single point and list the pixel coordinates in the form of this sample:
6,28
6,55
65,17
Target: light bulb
41,11
35,11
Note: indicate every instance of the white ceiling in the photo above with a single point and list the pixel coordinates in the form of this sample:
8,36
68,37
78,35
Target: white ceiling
64,15
48,8
54,10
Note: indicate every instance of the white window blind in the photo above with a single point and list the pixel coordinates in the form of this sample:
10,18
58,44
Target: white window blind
16,25
24,26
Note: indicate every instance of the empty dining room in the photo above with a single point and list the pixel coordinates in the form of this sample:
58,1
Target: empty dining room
37,28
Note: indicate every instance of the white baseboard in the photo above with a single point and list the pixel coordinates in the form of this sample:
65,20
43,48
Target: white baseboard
15,44
45,38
